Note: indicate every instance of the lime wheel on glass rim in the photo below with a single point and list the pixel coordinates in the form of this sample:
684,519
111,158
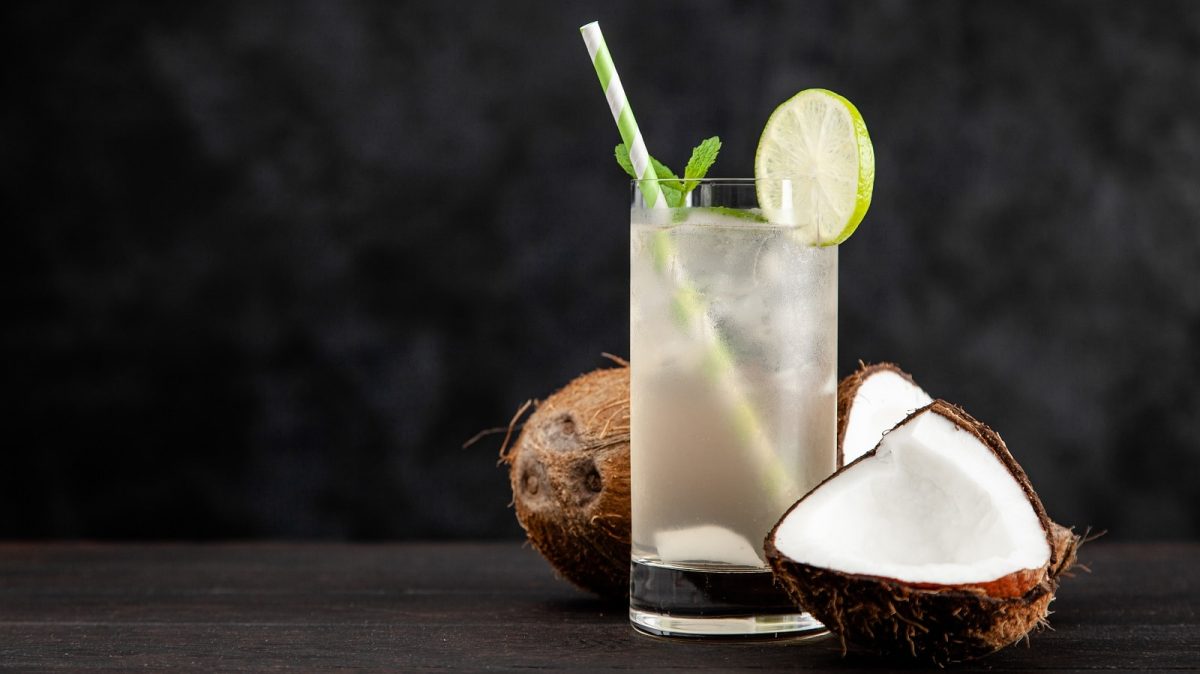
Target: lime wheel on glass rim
818,142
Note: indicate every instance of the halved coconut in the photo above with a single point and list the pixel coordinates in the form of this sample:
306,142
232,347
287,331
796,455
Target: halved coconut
870,402
875,398
932,544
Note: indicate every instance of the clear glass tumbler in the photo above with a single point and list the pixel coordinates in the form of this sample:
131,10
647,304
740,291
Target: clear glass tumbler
733,345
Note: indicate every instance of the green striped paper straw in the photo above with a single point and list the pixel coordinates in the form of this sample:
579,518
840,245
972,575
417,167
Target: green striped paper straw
622,114
688,302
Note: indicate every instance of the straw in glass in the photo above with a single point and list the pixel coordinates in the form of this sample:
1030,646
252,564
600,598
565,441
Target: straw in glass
689,306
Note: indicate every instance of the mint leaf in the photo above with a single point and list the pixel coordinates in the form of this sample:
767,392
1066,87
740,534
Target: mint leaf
673,197
668,182
664,174
666,177
702,159
672,188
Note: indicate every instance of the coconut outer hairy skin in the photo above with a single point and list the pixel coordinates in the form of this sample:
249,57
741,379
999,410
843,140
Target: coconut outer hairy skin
569,471
1066,546
941,623
890,618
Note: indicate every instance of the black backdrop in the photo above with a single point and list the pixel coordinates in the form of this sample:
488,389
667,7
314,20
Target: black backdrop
267,265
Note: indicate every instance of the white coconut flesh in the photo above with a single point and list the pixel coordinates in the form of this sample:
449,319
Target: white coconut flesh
883,400
934,504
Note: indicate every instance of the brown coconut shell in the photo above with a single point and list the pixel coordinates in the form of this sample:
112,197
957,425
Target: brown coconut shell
569,471
892,618
940,623
848,389
1066,546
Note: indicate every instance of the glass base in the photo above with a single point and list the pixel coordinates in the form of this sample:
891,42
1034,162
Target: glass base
799,626
714,601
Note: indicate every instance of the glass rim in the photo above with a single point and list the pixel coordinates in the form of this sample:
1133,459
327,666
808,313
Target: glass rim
705,181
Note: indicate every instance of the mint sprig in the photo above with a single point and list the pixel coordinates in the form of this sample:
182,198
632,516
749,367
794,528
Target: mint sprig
666,177
702,159
675,189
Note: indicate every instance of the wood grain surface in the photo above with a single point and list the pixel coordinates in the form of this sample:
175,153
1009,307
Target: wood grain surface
414,607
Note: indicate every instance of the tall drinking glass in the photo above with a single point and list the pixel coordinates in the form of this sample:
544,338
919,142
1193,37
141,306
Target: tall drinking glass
733,345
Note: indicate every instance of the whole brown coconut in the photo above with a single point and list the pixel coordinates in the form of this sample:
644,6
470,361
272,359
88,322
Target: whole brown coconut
569,471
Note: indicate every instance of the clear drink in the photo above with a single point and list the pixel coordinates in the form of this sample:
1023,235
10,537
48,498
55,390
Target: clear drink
733,344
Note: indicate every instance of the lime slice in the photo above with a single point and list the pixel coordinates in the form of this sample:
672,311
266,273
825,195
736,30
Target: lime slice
818,140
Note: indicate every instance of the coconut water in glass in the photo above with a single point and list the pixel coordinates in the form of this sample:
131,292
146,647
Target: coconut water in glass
733,350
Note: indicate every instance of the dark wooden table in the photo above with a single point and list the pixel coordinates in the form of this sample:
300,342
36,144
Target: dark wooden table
408,607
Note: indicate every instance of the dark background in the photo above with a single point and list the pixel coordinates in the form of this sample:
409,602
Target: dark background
268,265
